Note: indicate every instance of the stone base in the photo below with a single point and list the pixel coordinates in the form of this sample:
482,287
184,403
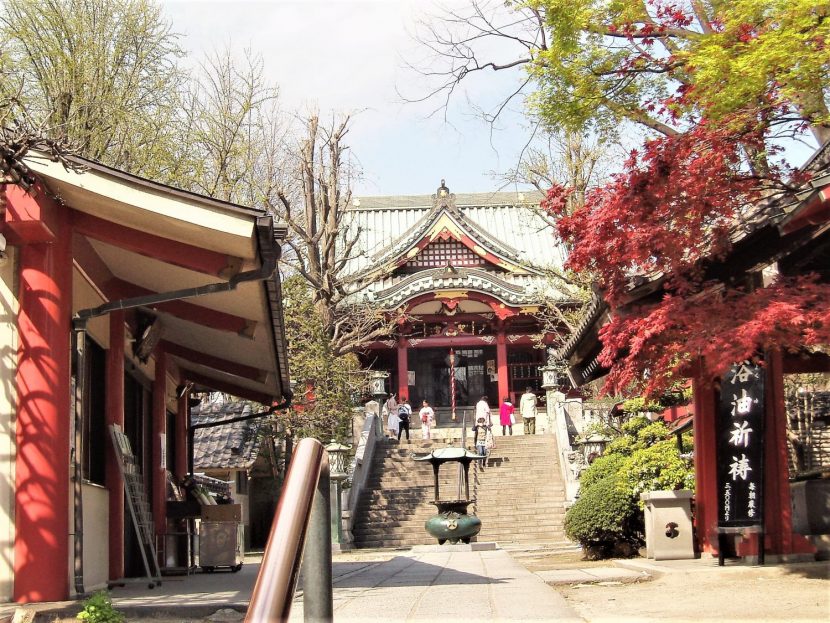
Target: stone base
779,559
336,548
458,547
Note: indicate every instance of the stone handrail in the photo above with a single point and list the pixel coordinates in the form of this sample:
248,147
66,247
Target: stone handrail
359,469
569,463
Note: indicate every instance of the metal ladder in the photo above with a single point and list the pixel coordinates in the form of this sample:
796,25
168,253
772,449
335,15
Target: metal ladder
138,506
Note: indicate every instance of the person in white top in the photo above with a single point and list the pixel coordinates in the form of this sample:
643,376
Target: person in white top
527,407
483,411
392,421
427,419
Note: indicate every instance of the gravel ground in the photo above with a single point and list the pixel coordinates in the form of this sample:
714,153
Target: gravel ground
732,593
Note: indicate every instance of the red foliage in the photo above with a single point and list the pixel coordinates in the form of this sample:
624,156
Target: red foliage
650,347
673,206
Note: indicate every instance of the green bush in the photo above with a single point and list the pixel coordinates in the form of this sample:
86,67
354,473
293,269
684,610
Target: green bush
604,515
608,511
658,467
602,467
99,609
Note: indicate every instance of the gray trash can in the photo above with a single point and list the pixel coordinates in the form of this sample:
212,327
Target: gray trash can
668,519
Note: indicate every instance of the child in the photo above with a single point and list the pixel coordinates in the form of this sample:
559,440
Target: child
480,436
506,416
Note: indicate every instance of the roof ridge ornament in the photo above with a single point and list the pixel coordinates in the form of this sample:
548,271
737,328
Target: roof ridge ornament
443,198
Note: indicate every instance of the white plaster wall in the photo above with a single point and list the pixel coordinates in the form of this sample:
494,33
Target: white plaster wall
8,418
96,536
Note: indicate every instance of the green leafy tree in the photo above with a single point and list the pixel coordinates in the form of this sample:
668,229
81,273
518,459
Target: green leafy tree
328,384
102,73
656,63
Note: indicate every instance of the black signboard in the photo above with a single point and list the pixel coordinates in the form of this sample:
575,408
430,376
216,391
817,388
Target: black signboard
740,447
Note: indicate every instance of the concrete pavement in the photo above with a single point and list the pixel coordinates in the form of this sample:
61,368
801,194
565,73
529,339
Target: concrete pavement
403,585
457,586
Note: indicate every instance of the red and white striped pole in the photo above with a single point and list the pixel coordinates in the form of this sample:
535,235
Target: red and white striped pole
452,382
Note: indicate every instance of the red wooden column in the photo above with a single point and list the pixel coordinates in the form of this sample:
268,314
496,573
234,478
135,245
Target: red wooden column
778,521
706,494
115,415
41,549
403,370
501,366
159,428
181,434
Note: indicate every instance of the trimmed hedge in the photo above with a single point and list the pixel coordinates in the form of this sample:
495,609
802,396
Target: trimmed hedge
604,515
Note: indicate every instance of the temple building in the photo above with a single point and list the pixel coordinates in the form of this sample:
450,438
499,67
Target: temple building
469,275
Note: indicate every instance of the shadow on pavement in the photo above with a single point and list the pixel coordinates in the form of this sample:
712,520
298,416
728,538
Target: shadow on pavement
406,571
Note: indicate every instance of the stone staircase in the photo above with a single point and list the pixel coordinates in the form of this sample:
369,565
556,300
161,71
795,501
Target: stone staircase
519,495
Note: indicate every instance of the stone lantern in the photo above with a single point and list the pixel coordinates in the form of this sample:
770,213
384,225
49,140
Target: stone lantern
377,387
338,457
593,445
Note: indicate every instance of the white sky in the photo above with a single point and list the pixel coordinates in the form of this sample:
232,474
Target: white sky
348,56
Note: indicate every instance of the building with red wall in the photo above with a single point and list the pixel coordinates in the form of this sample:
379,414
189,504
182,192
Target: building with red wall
469,275
166,290
790,239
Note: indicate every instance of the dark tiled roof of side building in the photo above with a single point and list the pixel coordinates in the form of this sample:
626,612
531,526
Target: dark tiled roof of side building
228,446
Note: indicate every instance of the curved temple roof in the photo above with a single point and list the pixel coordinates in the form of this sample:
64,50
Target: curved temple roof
505,228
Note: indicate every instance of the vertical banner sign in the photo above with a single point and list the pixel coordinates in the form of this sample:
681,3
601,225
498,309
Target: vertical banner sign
740,447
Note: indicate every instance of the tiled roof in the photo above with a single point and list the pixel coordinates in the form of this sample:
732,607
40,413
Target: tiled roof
511,223
228,446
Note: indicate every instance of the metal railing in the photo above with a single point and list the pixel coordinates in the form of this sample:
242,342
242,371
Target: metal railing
301,532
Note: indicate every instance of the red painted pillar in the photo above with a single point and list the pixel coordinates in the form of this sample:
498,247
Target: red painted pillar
778,520
706,494
159,414
115,415
41,551
501,366
403,370
181,434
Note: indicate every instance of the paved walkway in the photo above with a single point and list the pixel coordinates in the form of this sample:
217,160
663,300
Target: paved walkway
407,586
457,586
381,585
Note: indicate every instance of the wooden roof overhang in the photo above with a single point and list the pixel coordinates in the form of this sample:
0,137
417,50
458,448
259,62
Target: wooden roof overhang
138,240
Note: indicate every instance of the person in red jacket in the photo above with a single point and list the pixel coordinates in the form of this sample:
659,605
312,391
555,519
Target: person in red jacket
506,417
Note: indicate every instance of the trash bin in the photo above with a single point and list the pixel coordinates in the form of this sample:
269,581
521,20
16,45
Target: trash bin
668,519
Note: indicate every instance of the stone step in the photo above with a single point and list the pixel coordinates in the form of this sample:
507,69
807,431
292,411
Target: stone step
519,495
417,525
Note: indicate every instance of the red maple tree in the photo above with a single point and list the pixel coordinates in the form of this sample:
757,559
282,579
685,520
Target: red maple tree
673,210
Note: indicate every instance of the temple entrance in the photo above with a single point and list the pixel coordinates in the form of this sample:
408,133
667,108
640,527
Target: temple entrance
429,378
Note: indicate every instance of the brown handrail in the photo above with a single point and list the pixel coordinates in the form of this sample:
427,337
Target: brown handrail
277,579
